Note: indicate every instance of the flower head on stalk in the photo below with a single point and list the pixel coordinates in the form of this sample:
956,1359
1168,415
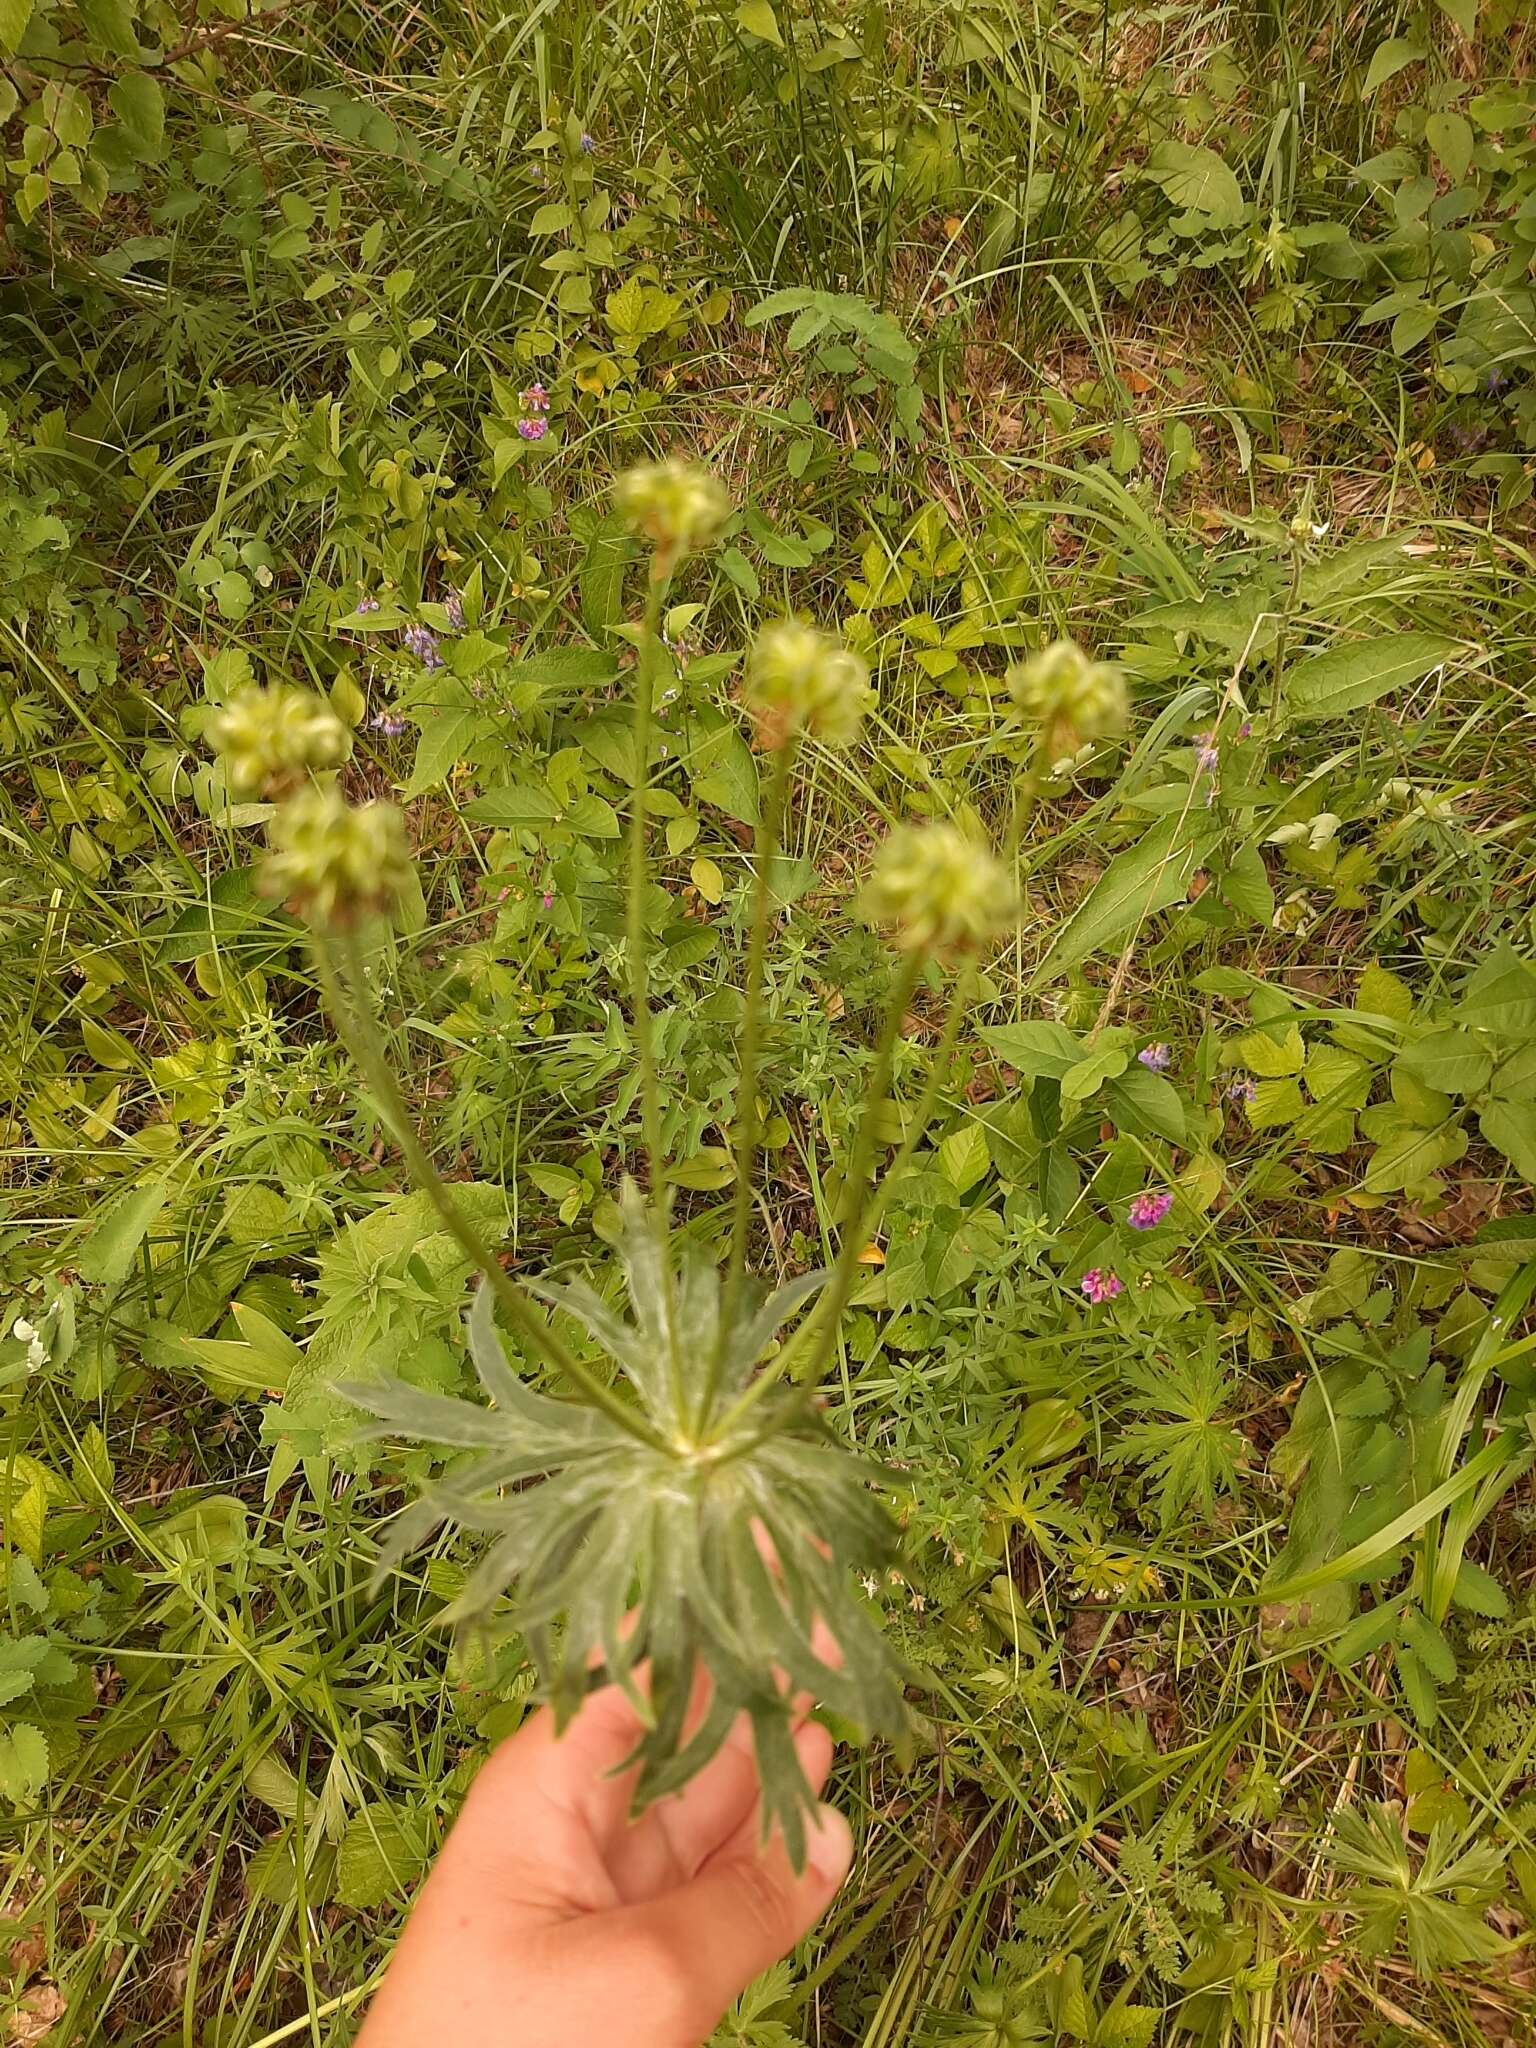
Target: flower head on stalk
800,680
675,505
1069,696
1155,1058
271,739
1101,1286
333,863
940,889
422,642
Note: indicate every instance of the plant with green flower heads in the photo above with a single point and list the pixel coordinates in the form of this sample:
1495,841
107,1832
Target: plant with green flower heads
693,1511
1068,697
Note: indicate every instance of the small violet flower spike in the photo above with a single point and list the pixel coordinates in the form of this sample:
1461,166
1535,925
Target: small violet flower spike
1100,1286
1148,1210
1155,1058
422,642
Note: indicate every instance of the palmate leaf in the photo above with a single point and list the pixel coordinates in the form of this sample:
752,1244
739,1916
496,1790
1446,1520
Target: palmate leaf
715,1542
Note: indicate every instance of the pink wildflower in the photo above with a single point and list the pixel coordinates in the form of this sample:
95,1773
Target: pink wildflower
1148,1210
1100,1286
534,399
532,430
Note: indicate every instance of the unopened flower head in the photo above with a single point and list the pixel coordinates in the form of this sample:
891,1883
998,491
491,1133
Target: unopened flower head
940,889
678,506
802,680
1069,696
270,739
1100,1285
333,863
1148,1209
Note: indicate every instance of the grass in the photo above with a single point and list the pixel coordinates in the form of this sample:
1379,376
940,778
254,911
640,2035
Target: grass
272,375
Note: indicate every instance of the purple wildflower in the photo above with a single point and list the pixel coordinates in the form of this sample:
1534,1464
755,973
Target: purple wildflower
1148,1210
1245,729
1155,1058
587,144
549,899
534,399
1496,383
367,604
1100,1286
1209,753
453,605
422,642
1242,1090
387,723
532,430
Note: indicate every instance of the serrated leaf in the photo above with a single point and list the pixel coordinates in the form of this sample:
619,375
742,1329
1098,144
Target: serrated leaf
1273,1058
139,104
112,1244
1479,1592
383,1850
23,1764
1346,679
1275,1102
964,1156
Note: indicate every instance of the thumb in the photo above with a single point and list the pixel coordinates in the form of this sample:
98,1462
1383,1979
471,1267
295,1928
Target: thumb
745,1910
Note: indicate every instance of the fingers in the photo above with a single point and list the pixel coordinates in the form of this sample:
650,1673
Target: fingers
743,1911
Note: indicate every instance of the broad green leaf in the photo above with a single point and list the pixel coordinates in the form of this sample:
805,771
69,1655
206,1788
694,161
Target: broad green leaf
1510,1127
1450,1061
445,739
609,552
1501,995
1410,1156
14,16
964,1157
1035,1047
383,1850
1449,135
1275,1102
1348,678
1196,180
1272,1058
139,104
23,1764
758,18
1047,1430
1145,879
108,1253
725,774
1144,1105
110,23
1381,993
1387,59
1085,1077
514,807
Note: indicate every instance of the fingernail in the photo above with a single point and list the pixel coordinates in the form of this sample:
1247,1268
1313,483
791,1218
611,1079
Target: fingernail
829,1846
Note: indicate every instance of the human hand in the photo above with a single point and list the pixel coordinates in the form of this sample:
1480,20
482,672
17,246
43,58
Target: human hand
550,1919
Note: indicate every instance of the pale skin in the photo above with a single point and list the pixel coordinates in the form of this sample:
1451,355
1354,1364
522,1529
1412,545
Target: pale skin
553,1920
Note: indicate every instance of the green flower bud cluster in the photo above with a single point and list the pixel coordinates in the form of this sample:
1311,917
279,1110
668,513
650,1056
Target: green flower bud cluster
676,505
1069,696
270,739
941,890
332,862
800,680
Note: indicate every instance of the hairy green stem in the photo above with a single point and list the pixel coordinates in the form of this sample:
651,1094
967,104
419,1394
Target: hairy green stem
634,922
851,1203
352,1012
748,1124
